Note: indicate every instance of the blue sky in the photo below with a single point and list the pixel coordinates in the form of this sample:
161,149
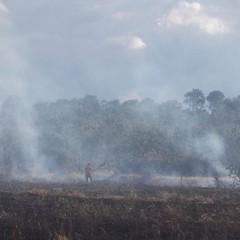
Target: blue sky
120,49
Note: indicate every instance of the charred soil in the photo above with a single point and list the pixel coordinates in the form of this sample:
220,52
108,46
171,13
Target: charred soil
117,211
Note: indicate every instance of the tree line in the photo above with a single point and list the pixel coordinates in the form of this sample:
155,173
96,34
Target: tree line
200,136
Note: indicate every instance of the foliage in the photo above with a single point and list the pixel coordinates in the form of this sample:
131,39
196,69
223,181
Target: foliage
215,99
131,136
195,99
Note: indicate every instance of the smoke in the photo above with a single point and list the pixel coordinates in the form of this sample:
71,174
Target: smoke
78,53
19,139
211,147
22,151
18,135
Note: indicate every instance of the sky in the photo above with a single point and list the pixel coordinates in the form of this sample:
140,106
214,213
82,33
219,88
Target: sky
121,49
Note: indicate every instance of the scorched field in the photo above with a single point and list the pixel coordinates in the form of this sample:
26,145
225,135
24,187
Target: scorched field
58,211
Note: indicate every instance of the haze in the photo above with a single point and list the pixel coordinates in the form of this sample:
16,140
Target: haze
118,49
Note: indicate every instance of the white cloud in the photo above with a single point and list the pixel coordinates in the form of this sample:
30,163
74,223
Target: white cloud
195,5
131,42
194,14
54,47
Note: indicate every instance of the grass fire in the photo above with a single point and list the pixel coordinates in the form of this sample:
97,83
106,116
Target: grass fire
119,120
84,169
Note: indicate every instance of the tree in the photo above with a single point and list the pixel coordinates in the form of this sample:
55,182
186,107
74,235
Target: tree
195,99
215,99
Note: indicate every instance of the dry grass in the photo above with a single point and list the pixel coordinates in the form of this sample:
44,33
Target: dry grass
117,211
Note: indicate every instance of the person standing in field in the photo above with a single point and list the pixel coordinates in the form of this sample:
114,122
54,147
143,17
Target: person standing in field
88,172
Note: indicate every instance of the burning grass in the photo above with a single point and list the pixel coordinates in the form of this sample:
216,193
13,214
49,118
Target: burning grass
117,211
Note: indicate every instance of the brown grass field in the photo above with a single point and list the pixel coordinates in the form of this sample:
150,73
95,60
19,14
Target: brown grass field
103,210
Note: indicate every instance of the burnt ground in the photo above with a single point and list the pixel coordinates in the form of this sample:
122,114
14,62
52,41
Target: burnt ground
117,211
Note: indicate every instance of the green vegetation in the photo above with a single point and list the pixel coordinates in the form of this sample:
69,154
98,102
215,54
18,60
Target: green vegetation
197,138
